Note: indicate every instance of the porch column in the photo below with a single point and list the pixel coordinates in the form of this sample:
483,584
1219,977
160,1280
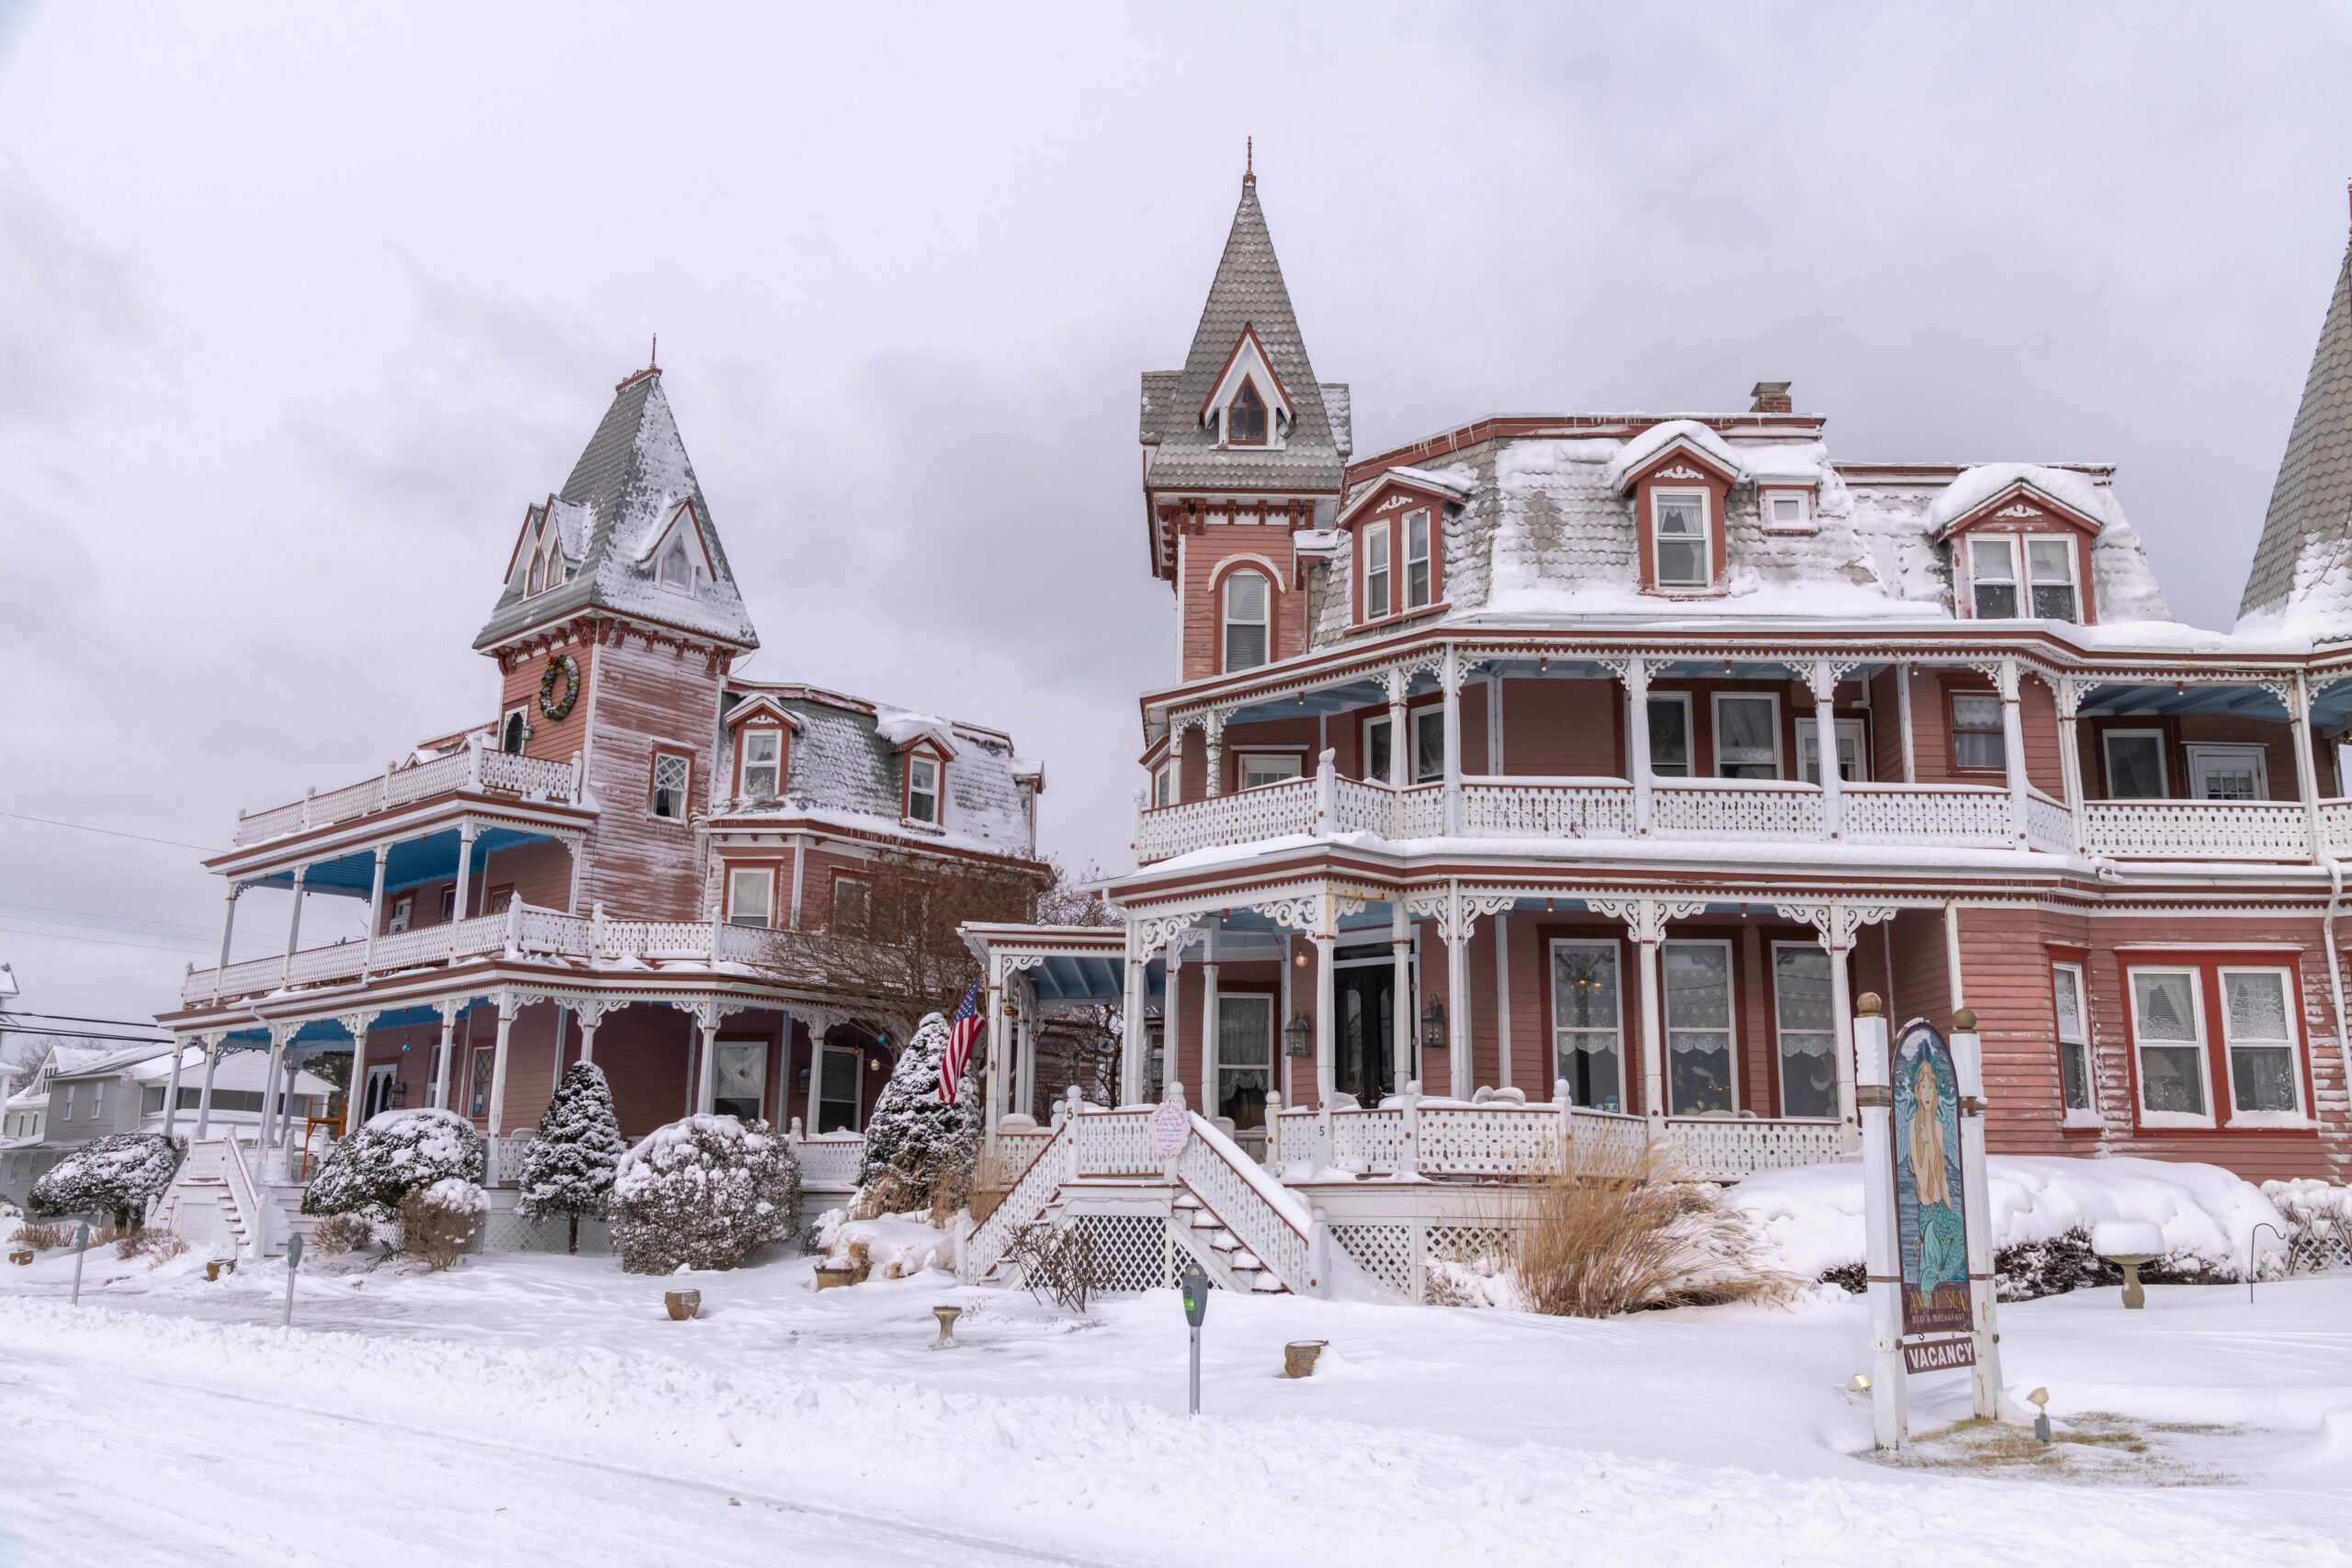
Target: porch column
277,1034
1132,1029
1450,675
465,875
1649,932
449,1011
2299,719
1502,1000
1024,1049
1638,739
2070,759
228,925
1400,953
294,921
2013,747
204,1095
1457,933
1400,761
1212,737
357,1088
1208,1030
1835,925
1824,739
706,1041
172,1086
1172,1033
1326,1002
286,1108
1903,718
996,1005
1952,953
506,1011
375,918
591,1017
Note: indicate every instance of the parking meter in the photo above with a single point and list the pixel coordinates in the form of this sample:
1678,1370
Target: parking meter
80,1246
293,1261
1194,1282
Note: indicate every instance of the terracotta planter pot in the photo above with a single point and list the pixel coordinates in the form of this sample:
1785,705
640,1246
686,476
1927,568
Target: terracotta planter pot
1299,1357
21,1255
682,1304
212,1269
830,1276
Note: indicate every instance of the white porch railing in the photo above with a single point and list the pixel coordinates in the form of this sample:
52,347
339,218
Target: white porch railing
1903,813
2198,829
1746,808
1725,1148
475,767
828,1161
1547,808
503,1158
2335,822
1270,811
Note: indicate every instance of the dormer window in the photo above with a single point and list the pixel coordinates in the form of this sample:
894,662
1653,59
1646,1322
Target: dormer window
1244,422
2049,568
1375,571
534,580
677,569
1682,555
1788,510
1246,620
1417,560
555,566
763,763
923,790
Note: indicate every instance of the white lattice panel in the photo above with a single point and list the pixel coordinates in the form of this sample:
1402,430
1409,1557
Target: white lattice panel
1604,1143
1367,1140
1754,810
1131,1251
2196,830
2049,826
506,1231
1114,1143
1547,810
2335,821
1382,1251
1722,1149
1420,812
1243,818
1926,814
1489,1141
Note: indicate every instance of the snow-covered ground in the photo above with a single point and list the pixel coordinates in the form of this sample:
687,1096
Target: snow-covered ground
528,1409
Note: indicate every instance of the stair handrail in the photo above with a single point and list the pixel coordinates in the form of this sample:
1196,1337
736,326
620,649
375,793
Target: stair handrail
1263,1216
1021,1206
246,1197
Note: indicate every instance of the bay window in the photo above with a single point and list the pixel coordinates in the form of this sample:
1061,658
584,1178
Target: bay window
1681,554
1247,628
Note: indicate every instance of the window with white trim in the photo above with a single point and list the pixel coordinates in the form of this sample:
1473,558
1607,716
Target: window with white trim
1849,751
513,732
923,790
1245,422
1977,739
1789,510
1419,575
1163,784
2074,1039
535,579
1429,744
2168,1036
403,911
1376,570
1993,576
852,913
750,895
1378,758
98,1101
763,763
1587,1022
1669,719
677,568
1803,1020
1681,554
2228,773
2258,1028
1261,768
2050,570
671,774
1748,736
1248,620
555,566
1696,977
2136,765
840,1087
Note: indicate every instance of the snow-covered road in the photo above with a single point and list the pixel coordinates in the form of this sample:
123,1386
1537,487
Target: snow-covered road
538,1410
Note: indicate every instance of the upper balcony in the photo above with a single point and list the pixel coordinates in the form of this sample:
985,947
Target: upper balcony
475,769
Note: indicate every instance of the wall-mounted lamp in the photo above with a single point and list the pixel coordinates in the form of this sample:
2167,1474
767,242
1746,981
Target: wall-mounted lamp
1298,1035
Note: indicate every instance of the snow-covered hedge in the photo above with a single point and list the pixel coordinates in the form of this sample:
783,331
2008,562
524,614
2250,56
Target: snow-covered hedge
117,1174
919,1152
395,1153
568,1168
1812,1216
705,1192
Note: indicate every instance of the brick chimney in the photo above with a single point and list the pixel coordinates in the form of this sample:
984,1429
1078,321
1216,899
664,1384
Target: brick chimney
1772,397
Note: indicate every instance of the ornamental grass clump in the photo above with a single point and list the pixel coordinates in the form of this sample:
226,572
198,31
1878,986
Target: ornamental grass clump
704,1192
436,1222
1595,1247
395,1153
117,1174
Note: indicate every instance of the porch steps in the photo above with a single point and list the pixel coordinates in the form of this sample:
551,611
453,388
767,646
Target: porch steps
206,1195
1236,1265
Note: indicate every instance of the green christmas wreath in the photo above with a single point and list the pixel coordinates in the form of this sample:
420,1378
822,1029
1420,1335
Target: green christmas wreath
565,668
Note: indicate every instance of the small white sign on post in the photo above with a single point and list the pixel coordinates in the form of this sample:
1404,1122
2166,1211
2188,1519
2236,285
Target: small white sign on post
1171,1127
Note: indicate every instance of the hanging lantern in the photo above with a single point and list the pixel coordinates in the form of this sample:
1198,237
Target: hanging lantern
1298,1035
1434,1026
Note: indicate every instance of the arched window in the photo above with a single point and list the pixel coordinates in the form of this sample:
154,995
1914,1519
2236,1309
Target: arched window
677,572
1246,621
1245,423
554,565
536,578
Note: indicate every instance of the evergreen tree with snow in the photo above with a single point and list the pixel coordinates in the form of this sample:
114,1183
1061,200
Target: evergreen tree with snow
703,1192
568,1168
117,1174
394,1155
919,1151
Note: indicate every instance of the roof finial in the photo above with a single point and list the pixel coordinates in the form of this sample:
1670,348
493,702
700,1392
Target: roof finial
653,359
1249,159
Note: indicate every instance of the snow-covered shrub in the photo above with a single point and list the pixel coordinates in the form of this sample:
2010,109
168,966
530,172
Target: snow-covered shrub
705,1192
919,1151
1587,1248
568,1168
339,1234
120,1174
395,1153
437,1220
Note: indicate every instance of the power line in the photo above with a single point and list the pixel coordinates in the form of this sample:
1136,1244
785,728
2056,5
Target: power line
86,1034
17,1016
200,928
112,833
96,941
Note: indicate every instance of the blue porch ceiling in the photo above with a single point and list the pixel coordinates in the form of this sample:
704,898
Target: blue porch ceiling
413,862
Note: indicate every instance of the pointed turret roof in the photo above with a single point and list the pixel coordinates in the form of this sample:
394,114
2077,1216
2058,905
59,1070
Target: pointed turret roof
1248,294
632,490
2302,567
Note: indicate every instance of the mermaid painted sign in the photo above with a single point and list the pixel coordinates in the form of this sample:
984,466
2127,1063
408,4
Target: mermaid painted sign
1930,1204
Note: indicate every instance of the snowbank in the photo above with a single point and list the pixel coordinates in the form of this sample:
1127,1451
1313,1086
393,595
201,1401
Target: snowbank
894,1246
1813,1215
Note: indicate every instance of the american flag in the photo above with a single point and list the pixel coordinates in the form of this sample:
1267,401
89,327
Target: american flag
960,1035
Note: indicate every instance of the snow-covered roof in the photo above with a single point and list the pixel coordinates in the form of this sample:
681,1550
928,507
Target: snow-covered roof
631,481
1638,453
2300,581
2075,491
904,726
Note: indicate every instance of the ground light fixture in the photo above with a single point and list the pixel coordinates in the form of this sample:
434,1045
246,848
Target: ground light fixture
1194,1284
2039,1399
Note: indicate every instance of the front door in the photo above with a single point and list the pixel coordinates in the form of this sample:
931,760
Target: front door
379,1092
1365,1038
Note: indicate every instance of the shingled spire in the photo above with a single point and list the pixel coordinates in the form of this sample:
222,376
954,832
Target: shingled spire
1247,296
631,501
2302,567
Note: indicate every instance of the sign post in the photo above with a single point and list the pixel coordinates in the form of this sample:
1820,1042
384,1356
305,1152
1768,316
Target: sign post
1968,1062
1194,1282
1874,1097
81,1249
293,1261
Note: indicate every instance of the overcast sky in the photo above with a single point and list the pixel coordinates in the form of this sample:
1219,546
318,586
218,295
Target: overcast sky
299,308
